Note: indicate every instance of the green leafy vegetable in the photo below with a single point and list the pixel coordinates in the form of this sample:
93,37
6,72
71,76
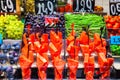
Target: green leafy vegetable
80,21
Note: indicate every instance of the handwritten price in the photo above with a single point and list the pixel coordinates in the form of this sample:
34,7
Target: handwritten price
7,6
45,7
83,5
114,7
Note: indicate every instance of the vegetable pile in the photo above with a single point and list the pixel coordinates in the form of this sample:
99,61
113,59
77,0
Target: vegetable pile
115,49
112,25
11,27
92,20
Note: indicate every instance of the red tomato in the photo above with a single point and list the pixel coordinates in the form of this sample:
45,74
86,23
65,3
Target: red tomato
116,26
107,20
108,25
107,17
112,21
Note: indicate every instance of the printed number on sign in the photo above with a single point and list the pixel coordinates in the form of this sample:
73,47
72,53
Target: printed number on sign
83,5
115,40
114,7
7,6
45,7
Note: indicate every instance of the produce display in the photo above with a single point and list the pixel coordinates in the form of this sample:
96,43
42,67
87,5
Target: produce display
87,47
11,27
56,20
115,49
59,46
113,29
112,25
44,24
94,22
30,6
39,46
8,70
9,53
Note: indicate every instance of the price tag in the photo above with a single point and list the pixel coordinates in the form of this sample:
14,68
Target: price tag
114,6
83,5
115,40
45,6
7,6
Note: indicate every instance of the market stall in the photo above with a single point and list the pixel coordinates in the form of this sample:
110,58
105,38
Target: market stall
59,39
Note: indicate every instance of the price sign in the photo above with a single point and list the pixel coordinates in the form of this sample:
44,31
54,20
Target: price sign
114,6
115,40
7,6
83,5
45,6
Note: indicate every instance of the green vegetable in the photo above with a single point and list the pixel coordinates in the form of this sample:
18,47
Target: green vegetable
80,21
11,27
115,49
